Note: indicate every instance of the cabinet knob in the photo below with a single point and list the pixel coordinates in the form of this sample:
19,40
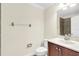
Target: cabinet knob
59,49
56,48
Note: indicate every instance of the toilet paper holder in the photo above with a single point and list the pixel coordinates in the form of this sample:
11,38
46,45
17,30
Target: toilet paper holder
29,45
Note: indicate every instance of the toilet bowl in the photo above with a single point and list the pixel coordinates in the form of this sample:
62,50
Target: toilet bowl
42,50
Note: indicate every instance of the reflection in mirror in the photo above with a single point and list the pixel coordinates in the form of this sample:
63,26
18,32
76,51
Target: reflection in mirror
65,26
68,17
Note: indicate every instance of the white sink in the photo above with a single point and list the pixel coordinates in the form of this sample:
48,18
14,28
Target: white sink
66,41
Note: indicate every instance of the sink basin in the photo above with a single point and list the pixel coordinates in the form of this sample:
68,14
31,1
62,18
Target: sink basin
63,41
67,41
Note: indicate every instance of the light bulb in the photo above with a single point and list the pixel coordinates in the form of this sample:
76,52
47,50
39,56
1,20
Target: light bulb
64,8
72,5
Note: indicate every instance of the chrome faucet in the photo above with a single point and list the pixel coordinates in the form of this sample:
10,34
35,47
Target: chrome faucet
67,37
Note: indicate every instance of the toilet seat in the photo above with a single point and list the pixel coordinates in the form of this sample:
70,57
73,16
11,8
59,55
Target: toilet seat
41,51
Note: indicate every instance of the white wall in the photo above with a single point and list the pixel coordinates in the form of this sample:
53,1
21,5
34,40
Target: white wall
14,39
51,27
0,29
75,25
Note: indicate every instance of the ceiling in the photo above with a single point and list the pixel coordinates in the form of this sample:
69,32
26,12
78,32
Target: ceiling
70,12
46,5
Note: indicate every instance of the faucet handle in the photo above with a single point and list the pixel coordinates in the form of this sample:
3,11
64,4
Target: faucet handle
66,37
69,35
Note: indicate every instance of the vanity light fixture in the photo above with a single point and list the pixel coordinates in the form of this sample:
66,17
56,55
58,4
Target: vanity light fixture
72,5
65,8
62,5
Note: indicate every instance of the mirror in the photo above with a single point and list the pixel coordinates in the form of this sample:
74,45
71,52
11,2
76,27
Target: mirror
68,20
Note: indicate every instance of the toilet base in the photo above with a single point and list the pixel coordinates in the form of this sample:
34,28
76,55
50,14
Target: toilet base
41,51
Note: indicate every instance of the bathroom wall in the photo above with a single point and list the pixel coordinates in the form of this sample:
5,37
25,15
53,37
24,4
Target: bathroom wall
0,29
51,27
14,39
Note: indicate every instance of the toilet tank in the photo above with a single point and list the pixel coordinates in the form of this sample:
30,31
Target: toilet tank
44,43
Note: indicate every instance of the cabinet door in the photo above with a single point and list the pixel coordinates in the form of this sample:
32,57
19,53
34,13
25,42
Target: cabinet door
69,52
52,49
60,51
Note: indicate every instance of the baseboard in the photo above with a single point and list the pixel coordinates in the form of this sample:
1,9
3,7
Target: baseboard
30,54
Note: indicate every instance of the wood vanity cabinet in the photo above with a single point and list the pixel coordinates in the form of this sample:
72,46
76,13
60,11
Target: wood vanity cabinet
69,52
52,49
57,50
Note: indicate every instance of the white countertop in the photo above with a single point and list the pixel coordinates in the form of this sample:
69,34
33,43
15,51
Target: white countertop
73,45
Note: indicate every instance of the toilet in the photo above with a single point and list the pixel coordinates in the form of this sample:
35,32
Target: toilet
42,50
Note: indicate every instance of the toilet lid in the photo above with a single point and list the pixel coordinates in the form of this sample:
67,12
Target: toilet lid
41,49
